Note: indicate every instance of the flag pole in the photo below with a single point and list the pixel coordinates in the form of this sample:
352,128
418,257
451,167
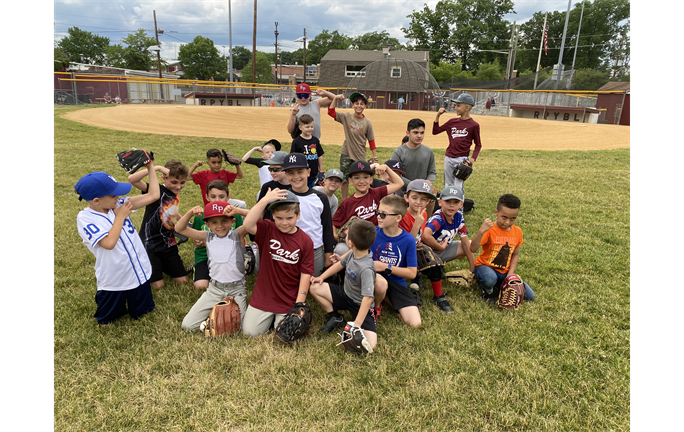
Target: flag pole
541,45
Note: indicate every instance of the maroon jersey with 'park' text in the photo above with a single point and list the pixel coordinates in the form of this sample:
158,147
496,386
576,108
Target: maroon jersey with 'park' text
364,207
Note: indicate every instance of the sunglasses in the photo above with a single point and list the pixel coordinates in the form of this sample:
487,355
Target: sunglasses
384,215
302,95
274,169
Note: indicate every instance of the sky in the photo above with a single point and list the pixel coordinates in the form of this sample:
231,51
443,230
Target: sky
183,20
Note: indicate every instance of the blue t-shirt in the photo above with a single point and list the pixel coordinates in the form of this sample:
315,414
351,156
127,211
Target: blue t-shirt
400,251
441,229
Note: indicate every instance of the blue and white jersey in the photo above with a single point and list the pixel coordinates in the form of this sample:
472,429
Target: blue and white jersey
399,251
126,266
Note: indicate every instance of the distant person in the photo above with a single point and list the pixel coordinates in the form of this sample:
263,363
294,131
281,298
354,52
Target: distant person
107,98
488,105
401,102
117,99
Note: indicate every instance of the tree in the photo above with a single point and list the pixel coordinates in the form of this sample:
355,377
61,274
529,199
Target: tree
241,56
461,30
201,60
376,41
447,72
489,71
79,43
61,60
323,42
589,79
290,58
136,55
264,73
603,24
115,56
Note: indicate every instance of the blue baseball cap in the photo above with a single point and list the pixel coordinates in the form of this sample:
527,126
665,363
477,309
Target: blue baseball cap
98,184
295,160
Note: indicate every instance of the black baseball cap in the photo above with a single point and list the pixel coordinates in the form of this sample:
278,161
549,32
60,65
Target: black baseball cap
359,166
355,95
274,142
295,160
395,165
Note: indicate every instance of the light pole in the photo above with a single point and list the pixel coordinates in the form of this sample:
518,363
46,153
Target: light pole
156,36
303,39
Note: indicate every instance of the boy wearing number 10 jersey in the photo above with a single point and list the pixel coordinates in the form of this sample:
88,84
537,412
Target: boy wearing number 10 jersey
122,267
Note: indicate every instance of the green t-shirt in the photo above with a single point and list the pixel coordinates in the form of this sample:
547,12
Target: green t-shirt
199,225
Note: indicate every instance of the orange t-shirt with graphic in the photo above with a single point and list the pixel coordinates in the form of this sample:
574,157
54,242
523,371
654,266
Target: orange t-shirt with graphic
498,247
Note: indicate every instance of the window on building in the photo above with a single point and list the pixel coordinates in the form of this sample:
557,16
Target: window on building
394,97
352,71
395,72
312,71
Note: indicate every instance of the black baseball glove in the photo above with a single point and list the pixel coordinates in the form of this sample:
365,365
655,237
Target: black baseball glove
133,160
231,158
295,325
354,341
463,170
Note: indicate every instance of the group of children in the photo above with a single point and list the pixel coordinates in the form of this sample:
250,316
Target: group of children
296,227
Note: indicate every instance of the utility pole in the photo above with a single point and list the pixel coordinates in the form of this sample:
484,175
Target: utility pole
560,56
304,55
276,53
619,57
230,43
254,44
574,56
541,45
156,36
510,63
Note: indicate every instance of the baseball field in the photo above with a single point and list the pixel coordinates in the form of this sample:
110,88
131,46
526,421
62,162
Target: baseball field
559,363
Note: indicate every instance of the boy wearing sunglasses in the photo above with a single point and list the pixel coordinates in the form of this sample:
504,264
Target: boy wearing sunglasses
279,179
305,105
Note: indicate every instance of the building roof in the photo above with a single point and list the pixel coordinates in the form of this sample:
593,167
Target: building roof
370,56
615,86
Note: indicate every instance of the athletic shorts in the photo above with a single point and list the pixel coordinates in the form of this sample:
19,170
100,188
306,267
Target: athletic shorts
345,164
399,295
449,254
341,301
201,271
112,305
166,261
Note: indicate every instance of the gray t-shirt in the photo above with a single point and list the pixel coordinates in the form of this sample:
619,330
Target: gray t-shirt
418,163
331,199
359,281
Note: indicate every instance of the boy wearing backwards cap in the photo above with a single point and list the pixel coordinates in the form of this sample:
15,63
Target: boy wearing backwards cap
286,261
226,253
440,232
122,267
357,130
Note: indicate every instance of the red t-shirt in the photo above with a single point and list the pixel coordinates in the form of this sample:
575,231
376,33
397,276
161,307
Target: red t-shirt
462,134
364,207
203,178
407,224
282,260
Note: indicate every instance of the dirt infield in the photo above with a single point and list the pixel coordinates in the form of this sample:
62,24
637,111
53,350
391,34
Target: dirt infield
263,123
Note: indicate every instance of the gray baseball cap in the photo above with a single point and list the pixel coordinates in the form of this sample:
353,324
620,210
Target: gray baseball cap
277,158
464,98
452,192
334,173
291,198
422,186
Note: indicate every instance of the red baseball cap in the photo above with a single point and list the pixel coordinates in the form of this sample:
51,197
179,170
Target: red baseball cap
303,88
214,209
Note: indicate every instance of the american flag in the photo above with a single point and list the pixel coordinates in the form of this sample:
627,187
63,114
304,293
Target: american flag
546,40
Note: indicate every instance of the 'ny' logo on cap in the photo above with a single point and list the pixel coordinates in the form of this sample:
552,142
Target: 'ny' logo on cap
293,158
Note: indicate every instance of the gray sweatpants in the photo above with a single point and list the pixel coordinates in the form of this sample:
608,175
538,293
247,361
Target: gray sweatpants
257,322
215,292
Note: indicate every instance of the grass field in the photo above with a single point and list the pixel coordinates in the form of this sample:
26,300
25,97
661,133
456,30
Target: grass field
560,363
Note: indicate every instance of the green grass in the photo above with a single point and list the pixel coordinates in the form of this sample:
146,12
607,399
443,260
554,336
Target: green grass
560,363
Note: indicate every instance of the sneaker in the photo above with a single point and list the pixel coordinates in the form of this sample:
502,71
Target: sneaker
489,297
442,303
333,323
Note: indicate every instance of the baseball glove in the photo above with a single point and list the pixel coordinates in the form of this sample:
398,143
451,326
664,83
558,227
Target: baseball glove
512,292
231,158
354,341
250,260
133,160
463,170
427,257
319,179
342,233
224,319
295,325
463,278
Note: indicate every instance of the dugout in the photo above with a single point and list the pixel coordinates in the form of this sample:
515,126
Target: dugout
555,113
223,99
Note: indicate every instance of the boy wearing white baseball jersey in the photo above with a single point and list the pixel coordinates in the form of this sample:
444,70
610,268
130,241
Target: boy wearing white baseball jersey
122,268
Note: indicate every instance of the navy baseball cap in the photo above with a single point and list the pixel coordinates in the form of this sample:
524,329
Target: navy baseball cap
395,165
295,160
290,198
359,166
98,184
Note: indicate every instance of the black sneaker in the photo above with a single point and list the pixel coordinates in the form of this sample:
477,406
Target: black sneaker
442,303
333,323
489,297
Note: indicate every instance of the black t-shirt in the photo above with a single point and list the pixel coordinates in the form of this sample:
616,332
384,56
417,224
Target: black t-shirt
157,228
312,149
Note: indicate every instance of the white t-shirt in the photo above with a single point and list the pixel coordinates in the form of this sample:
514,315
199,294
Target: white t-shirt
226,257
126,266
